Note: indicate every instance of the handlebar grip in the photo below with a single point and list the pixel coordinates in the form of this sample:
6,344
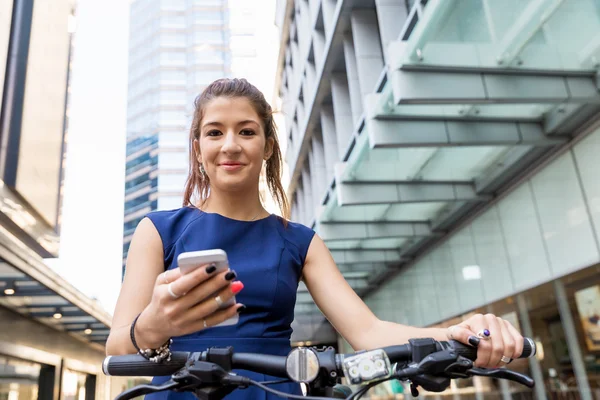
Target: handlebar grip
261,363
470,352
529,348
399,353
136,365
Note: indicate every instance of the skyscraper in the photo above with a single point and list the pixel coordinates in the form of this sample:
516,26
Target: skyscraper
177,48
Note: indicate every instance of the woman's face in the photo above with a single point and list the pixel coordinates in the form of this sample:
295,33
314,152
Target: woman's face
232,144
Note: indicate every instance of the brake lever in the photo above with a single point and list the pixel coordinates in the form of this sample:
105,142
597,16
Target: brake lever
503,373
142,390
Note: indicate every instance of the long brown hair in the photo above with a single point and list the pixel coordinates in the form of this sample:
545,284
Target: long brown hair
199,185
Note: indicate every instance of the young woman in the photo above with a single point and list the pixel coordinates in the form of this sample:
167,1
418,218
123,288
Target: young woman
231,136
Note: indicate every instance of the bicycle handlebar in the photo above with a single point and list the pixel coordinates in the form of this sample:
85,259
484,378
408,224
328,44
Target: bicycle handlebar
136,365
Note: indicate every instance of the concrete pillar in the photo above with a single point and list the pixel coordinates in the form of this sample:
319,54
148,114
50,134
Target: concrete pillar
342,112
300,200
534,364
304,28
319,167
294,209
319,48
329,7
367,46
391,15
329,135
311,83
309,209
352,76
572,342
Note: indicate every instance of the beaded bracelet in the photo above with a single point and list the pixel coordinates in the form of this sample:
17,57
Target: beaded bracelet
155,355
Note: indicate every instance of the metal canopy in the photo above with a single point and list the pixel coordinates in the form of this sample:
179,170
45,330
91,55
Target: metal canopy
454,121
26,295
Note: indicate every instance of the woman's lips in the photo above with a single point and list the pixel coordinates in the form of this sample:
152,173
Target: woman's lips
231,166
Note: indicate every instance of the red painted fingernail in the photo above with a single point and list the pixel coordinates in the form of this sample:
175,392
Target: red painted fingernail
237,287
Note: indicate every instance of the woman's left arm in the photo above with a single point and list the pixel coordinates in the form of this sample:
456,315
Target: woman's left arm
351,317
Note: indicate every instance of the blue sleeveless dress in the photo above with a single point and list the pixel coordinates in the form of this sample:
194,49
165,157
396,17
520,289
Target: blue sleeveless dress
268,258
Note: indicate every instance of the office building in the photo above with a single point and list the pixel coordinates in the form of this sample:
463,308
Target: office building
51,335
177,48
446,151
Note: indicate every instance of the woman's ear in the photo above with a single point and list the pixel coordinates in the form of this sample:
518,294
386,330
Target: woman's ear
197,153
269,148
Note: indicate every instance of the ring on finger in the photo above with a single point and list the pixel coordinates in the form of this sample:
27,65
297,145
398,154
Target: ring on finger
204,323
484,334
505,359
219,301
170,290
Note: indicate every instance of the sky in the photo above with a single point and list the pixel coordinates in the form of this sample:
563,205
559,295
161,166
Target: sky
92,226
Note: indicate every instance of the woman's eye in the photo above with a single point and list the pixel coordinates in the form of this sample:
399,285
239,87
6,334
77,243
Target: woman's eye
212,133
247,132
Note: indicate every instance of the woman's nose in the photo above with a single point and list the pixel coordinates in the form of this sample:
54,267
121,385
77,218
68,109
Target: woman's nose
231,144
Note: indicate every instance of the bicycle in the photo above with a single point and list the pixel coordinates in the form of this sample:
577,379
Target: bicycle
426,363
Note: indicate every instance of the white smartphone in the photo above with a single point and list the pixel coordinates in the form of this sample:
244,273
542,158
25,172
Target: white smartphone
191,260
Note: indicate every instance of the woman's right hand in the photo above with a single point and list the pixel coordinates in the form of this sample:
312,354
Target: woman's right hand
182,304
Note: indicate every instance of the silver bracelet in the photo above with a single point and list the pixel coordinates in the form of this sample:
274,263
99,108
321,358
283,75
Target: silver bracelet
163,353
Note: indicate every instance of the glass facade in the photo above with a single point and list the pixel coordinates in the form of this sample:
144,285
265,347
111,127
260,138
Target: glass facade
509,261
141,184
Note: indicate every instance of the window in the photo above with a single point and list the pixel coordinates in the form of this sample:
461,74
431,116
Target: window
208,17
18,379
206,77
172,58
209,37
171,118
175,160
170,202
172,39
173,138
173,77
172,97
171,182
172,5
172,21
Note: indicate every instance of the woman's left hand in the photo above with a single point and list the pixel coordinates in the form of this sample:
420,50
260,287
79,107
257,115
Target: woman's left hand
497,341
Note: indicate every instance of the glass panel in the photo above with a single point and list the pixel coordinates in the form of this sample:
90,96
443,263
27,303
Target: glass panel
391,243
343,244
73,385
490,249
384,106
467,271
18,379
445,282
392,212
545,34
527,256
426,284
564,218
586,157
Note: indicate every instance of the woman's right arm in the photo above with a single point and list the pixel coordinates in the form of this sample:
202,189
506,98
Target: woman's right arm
144,291
144,264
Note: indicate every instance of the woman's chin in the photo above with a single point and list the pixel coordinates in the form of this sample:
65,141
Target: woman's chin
233,185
